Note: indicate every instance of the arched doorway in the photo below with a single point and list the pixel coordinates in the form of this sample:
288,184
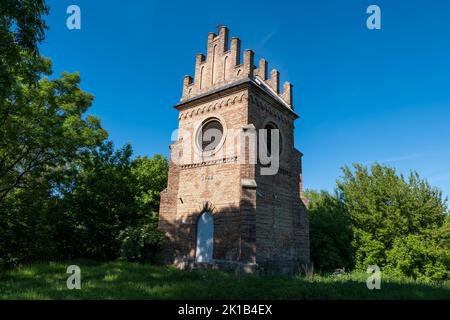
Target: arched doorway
205,238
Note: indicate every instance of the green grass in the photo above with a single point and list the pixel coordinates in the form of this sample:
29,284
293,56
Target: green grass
122,280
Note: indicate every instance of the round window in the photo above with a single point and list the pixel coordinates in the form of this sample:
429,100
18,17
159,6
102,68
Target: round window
210,134
270,127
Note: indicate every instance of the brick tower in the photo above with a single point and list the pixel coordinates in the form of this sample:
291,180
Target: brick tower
219,207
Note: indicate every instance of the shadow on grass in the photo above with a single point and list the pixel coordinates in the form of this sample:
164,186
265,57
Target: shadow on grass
122,280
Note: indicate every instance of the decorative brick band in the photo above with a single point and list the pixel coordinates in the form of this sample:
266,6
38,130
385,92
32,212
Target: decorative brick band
209,107
210,163
265,106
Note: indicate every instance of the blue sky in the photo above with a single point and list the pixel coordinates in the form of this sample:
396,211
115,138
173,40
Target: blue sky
362,95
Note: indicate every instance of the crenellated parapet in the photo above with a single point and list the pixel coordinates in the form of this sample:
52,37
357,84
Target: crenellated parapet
222,66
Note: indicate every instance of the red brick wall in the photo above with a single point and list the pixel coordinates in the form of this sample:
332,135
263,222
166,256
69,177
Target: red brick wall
266,225
259,220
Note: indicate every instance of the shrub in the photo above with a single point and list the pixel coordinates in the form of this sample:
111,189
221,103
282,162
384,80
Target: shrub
419,257
378,217
330,232
140,243
367,250
396,221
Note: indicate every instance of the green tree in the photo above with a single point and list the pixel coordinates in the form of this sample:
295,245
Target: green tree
420,257
42,122
96,203
388,212
45,131
141,243
22,27
330,231
45,128
25,225
150,176
107,193
64,190
141,240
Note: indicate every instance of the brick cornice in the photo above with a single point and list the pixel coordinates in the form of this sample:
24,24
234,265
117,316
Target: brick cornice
224,97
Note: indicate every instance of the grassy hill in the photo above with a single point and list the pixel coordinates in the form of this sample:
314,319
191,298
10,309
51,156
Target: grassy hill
123,280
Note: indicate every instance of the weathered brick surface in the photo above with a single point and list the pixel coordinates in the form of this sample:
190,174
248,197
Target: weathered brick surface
265,224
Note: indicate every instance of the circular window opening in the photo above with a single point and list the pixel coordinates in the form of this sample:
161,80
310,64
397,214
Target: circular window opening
270,127
210,134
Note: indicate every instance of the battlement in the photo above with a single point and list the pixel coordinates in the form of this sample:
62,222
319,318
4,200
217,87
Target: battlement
222,66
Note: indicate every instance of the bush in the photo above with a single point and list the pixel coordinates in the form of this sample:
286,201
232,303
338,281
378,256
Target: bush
25,230
419,257
140,243
398,223
378,217
108,193
368,251
330,232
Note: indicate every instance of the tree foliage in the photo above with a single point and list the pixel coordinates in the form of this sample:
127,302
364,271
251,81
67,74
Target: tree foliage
330,231
420,257
64,191
141,243
150,177
22,28
384,206
378,217
104,196
95,207
43,129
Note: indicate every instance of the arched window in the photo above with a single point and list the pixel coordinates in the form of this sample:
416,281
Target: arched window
205,238
270,127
